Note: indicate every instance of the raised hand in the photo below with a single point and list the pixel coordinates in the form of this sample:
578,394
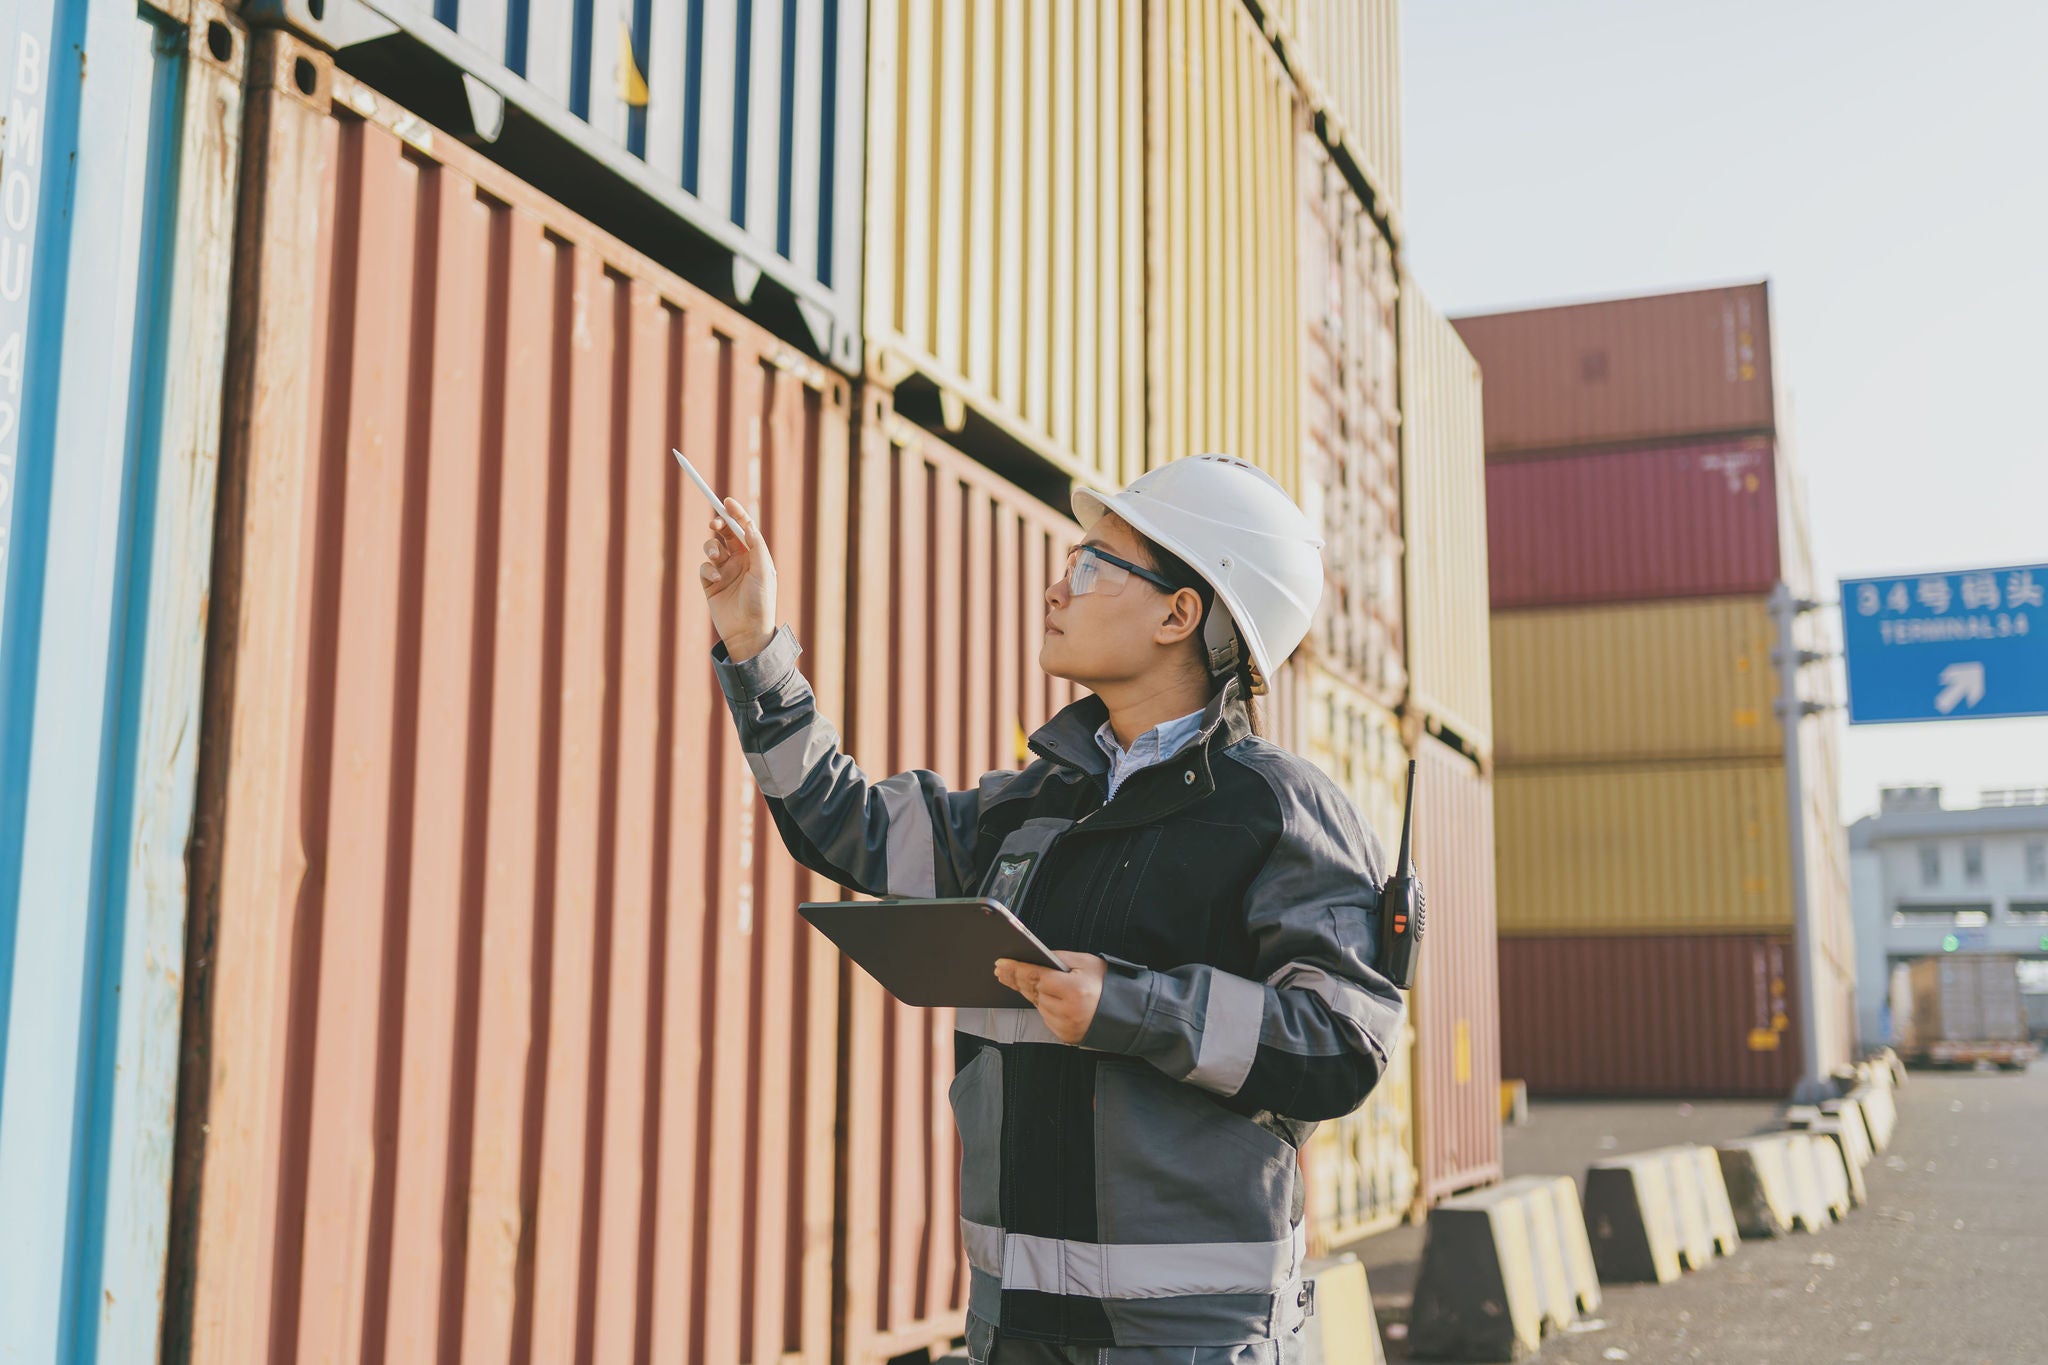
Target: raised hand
738,576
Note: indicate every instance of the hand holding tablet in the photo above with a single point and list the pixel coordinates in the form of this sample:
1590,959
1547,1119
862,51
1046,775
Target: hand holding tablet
934,952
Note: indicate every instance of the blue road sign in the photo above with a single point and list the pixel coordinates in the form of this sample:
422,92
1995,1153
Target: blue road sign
1946,646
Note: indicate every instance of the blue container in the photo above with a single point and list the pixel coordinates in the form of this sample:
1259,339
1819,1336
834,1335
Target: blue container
117,202
721,137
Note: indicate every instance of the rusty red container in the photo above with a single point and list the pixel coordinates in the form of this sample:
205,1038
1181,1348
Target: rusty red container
948,571
1626,370
503,1040
1693,1016
1688,519
1456,1003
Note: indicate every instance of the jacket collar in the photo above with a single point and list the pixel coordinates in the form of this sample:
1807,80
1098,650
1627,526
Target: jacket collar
1068,739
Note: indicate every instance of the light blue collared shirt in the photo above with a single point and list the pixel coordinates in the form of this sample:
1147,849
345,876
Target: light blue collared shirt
1156,745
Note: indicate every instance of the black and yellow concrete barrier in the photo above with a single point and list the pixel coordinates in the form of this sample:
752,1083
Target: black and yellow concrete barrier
1500,1268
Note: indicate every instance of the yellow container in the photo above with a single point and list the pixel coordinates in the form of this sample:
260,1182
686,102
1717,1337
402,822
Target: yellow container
1346,57
1360,1169
1358,744
1635,681
1005,219
1443,507
1220,265
1665,848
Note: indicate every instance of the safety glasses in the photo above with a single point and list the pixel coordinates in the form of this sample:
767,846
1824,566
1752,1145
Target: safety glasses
1095,570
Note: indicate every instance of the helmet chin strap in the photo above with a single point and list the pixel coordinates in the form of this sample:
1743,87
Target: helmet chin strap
1225,650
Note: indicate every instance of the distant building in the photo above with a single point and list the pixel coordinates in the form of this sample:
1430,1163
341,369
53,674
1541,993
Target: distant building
1925,880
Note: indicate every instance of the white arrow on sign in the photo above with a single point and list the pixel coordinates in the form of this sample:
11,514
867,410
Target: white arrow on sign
1960,683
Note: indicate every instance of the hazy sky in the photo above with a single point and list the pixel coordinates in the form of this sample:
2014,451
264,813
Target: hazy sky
1884,164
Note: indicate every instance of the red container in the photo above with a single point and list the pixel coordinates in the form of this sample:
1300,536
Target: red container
1456,1003
503,1039
1698,1016
1695,519
948,571
1626,370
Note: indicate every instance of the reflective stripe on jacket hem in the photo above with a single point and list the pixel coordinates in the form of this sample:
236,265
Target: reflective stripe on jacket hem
1132,1270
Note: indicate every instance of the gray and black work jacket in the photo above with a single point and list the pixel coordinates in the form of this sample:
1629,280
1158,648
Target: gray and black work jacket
1141,1188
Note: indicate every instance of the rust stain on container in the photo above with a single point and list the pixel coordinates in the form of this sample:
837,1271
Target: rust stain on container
1221,284
946,617
1695,1016
1006,217
1697,518
1444,506
1456,1002
1657,680
514,1048
1626,370
1350,427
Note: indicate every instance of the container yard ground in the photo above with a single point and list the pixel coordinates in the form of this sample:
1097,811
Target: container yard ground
1942,1267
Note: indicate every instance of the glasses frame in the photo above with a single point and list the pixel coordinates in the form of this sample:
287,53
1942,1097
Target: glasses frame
1137,570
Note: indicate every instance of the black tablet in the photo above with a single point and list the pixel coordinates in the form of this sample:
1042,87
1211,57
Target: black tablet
933,952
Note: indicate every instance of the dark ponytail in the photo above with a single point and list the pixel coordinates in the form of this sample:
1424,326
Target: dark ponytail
1175,570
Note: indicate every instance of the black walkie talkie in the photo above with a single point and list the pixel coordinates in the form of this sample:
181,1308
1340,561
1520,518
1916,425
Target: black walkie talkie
1401,907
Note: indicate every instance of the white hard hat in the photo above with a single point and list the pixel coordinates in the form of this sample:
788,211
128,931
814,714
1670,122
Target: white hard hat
1236,527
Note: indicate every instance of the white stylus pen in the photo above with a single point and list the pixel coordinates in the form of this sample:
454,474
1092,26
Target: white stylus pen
717,502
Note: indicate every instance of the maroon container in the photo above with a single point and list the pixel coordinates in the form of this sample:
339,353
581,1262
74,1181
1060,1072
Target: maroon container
1696,1016
1625,371
1693,519
1455,1004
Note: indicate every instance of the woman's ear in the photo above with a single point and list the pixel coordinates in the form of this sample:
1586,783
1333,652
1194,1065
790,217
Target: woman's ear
1183,618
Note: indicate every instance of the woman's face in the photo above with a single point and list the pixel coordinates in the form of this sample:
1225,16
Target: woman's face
1107,638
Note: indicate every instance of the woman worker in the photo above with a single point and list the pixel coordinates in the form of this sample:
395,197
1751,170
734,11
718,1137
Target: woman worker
1129,1189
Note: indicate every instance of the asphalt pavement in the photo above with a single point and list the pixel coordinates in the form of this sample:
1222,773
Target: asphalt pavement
1946,1265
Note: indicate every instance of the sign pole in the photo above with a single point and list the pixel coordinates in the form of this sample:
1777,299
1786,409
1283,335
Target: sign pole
1792,710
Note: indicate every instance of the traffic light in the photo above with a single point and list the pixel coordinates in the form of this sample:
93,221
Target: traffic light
1950,943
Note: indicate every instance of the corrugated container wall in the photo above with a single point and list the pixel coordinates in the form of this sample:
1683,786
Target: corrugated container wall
942,674
1346,57
116,245
1358,743
1456,1002
725,139
1350,428
1691,1016
509,1042
1967,998
1006,216
1666,848
1445,504
1626,371
1360,1169
1221,284
1654,680
1691,519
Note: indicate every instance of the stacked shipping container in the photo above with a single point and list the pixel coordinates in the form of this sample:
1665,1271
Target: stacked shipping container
116,246
1431,1129
502,1037
1641,510
726,138
484,908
